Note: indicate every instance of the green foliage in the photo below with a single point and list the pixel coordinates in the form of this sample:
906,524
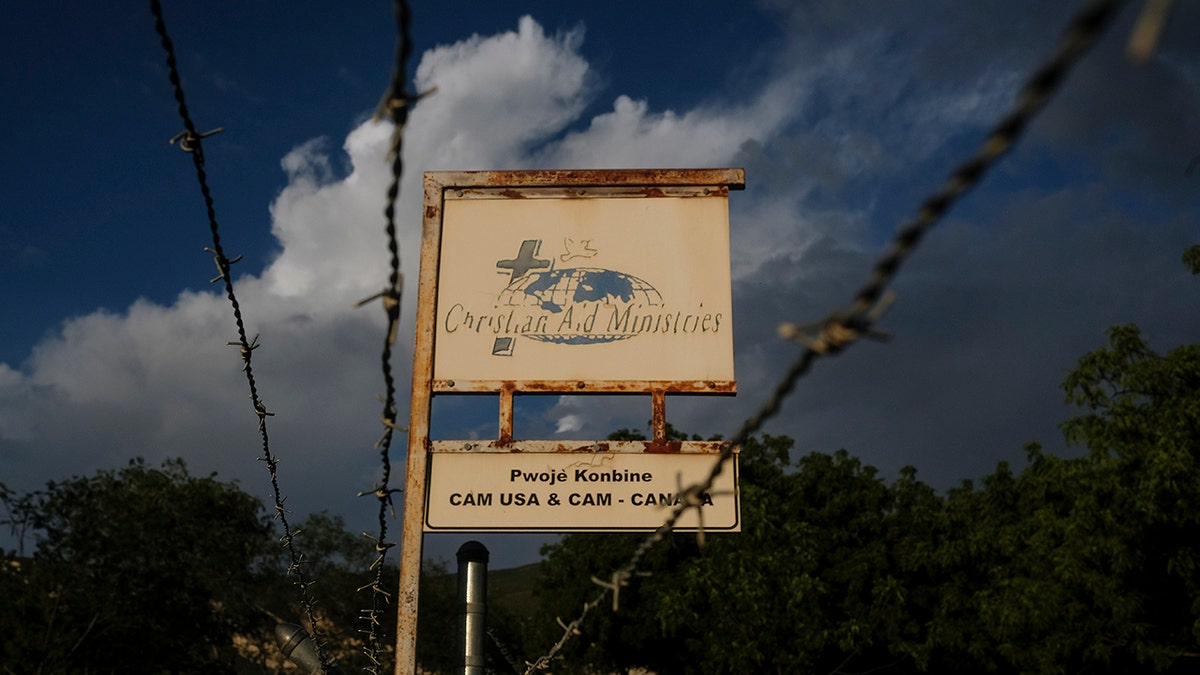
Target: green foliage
1087,563
815,558
1191,258
671,434
137,570
151,570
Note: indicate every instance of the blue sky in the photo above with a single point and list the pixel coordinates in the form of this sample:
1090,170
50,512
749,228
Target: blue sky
844,115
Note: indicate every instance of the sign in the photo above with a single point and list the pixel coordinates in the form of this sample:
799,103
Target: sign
580,282
604,487
595,289
575,281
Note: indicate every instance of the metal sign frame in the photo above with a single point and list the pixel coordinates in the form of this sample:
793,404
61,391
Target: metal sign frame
564,184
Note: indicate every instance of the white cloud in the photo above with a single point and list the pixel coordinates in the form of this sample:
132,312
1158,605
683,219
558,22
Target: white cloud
495,96
568,424
631,136
330,229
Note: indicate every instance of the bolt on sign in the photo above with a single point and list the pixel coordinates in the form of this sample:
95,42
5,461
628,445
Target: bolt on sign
574,281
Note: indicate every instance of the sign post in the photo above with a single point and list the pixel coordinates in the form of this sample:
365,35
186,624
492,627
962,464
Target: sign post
597,281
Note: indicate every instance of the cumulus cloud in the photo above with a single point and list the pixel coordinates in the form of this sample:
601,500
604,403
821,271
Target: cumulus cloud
495,96
838,146
568,424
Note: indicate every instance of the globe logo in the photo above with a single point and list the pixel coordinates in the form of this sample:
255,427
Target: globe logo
563,306
582,291
581,305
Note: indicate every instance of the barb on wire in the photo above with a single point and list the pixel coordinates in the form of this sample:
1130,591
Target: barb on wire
839,330
189,140
872,299
570,630
192,142
512,662
693,497
223,264
1148,29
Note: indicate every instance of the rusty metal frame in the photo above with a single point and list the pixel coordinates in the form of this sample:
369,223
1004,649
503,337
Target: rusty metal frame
517,185
649,446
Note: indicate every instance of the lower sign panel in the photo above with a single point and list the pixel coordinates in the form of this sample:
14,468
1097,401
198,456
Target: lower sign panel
575,492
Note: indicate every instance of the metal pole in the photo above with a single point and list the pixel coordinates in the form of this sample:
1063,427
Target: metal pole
412,530
472,598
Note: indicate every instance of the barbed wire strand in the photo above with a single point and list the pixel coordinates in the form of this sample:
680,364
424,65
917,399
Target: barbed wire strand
843,328
393,107
504,651
192,142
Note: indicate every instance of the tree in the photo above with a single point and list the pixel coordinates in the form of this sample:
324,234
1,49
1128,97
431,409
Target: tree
816,580
1091,561
137,570
1191,258
1143,428
147,570
1080,563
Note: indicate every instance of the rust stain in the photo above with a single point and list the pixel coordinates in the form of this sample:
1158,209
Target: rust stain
560,448
504,443
506,412
651,191
664,447
542,385
598,386
431,211
719,179
512,194
658,414
592,448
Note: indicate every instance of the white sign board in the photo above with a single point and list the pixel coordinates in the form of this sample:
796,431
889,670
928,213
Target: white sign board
596,290
609,491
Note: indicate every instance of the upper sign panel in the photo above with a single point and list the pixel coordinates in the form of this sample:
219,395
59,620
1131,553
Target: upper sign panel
605,288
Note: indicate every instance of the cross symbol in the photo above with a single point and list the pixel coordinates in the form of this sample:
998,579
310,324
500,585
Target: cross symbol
525,260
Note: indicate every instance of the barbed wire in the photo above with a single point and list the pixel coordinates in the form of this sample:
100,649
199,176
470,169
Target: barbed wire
393,107
844,327
192,142
504,651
